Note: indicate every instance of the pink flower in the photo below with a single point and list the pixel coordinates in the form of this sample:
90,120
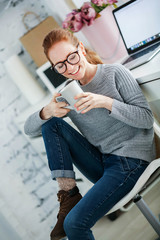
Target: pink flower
88,13
76,26
112,1
99,2
73,21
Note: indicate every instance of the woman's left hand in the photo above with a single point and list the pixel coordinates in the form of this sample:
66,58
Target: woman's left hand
91,100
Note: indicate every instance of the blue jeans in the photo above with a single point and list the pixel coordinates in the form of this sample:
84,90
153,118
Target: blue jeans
113,176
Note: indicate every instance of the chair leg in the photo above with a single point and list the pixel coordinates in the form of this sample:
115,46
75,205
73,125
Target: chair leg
147,213
113,216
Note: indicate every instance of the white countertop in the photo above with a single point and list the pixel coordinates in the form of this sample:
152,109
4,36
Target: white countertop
148,68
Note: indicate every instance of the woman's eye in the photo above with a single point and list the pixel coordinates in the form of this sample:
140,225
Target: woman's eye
60,66
72,57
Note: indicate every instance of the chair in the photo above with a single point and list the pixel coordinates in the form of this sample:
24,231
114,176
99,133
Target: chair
150,177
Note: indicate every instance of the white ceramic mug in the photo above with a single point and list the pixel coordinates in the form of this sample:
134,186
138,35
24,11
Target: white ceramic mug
68,93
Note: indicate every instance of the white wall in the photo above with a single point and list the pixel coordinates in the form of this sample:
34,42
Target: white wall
27,193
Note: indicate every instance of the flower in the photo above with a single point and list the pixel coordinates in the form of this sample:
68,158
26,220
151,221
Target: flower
73,21
99,2
89,11
112,1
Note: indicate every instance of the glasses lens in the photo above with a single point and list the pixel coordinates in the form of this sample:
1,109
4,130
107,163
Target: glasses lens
60,67
73,58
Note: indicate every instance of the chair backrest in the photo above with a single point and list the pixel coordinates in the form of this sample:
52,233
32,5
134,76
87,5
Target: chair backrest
157,139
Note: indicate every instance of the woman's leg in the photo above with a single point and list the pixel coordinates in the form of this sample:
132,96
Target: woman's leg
120,175
65,146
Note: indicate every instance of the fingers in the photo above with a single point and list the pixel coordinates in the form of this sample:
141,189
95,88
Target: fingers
59,110
54,96
61,104
87,109
62,112
82,98
81,95
84,101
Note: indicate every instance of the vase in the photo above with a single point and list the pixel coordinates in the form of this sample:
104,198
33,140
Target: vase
104,37
24,80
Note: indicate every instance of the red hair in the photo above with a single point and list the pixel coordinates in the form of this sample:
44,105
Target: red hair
59,34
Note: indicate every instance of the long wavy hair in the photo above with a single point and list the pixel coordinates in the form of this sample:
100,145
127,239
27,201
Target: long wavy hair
59,34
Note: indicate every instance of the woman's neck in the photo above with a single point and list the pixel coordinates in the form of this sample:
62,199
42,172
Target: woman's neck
89,74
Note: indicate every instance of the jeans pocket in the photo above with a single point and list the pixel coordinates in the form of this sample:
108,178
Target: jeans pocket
125,165
131,164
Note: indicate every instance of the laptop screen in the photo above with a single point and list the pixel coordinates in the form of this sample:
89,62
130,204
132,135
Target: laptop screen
139,23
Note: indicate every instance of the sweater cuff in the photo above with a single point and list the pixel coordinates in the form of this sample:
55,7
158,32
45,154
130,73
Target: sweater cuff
35,128
116,108
39,120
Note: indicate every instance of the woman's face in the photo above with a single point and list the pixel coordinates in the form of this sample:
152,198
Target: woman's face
59,53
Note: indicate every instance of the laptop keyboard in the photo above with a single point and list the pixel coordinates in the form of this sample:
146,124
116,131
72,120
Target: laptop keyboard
142,53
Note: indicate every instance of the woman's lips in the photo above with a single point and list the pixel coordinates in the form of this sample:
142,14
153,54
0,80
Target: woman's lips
76,72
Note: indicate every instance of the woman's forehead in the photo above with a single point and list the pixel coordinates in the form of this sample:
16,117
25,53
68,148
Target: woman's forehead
59,51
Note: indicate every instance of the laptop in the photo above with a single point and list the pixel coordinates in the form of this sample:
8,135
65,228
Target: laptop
139,25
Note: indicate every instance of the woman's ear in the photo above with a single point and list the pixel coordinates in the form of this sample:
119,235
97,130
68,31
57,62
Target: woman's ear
82,48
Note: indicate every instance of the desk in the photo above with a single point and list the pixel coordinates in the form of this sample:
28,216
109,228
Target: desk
151,67
148,76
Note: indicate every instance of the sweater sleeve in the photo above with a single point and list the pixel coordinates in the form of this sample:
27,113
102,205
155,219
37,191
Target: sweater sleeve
134,110
33,124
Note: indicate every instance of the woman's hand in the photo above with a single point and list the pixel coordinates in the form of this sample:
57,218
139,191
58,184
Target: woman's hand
91,100
54,109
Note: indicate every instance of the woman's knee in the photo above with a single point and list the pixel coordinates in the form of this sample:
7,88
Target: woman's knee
71,224
51,124
73,227
67,223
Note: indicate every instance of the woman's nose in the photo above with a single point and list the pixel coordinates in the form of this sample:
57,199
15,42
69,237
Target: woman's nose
70,67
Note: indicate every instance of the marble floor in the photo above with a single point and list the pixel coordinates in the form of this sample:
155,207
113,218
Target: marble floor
6,230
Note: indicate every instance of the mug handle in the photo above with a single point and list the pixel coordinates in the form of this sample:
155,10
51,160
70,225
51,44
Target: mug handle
62,99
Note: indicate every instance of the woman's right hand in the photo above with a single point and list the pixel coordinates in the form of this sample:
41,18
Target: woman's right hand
54,109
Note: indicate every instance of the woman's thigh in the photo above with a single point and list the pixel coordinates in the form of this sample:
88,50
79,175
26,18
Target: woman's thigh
74,147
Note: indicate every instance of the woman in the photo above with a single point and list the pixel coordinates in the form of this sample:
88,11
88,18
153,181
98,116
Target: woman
116,143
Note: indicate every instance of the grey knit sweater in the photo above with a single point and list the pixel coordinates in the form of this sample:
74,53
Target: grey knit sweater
125,131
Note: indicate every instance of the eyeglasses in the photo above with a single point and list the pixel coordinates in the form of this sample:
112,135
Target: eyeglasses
72,59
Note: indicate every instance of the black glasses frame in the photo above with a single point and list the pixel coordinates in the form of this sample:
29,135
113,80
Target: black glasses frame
66,60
